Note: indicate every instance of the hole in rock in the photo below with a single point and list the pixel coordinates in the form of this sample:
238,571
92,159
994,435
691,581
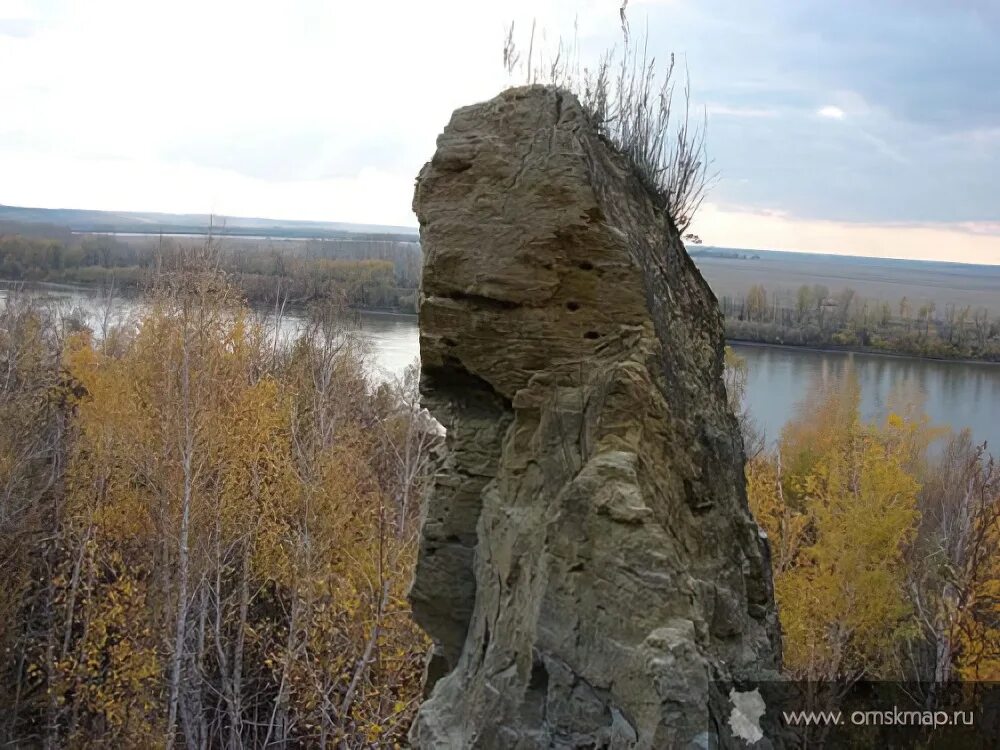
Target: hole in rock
539,677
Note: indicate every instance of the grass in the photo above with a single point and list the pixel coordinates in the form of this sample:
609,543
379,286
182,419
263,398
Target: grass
635,104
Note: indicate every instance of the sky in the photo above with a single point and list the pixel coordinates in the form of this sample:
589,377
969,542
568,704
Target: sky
864,127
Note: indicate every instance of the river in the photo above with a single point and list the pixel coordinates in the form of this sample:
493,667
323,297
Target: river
957,394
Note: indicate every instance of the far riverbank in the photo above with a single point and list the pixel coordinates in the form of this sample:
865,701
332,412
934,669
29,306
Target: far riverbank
97,291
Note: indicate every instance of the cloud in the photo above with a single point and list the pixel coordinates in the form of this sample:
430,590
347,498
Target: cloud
912,79
925,62
15,10
728,111
883,147
327,110
18,28
736,226
17,19
369,195
981,227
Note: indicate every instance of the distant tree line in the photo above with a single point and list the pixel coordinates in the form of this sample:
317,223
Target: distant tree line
373,273
813,316
368,273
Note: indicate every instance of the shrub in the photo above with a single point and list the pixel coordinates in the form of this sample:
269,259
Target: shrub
631,102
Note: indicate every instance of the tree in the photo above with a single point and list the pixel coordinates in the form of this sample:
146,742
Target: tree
981,324
803,303
956,568
226,552
845,299
926,313
756,302
34,427
904,308
735,375
839,505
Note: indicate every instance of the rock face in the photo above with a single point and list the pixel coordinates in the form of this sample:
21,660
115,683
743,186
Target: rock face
589,570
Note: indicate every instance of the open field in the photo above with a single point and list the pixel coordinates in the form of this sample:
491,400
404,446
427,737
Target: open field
872,278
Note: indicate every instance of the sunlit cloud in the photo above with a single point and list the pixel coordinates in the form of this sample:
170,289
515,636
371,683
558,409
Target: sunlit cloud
831,112
981,227
14,10
17,20
961,242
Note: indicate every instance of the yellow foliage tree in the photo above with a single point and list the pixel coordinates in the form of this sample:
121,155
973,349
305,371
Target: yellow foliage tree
979,625
840,508
232,551
970,604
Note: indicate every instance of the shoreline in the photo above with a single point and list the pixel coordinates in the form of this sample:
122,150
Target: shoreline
862,350
85,288
389,312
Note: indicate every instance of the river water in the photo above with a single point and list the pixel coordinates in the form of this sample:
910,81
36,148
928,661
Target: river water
957,394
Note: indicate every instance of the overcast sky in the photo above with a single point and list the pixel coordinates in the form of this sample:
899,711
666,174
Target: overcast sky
855,126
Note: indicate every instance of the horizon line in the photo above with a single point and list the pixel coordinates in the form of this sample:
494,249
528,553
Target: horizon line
415,231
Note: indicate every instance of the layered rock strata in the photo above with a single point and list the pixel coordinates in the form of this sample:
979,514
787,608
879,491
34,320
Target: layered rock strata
588,569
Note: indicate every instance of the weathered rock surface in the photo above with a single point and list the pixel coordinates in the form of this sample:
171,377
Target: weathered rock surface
588,566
